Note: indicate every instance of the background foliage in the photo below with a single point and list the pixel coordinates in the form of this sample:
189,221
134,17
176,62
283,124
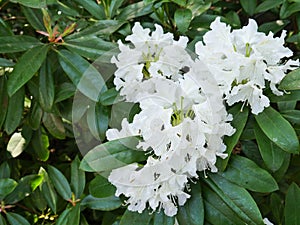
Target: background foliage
45,48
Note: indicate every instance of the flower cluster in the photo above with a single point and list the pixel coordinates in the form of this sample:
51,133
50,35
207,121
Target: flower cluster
183,119
243,61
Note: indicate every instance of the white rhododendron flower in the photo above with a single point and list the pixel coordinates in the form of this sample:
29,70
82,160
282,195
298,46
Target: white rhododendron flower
182,120
243,60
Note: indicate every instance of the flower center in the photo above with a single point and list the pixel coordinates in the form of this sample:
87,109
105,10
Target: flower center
179,114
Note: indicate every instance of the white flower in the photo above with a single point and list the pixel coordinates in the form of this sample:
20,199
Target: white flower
267,222
243,60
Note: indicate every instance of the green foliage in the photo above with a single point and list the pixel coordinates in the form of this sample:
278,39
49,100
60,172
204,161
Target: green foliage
56,86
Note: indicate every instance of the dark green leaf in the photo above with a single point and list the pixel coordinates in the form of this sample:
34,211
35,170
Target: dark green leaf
291,81
274,26
278,130
247,174
288,9
54,125
77,178
25,187
32,3
17,43
64,91
60,183
114,6
286,105
160,218
182,19
26,67
249,6
277,207
292,115
4,170
100,187
70,216
104,204
291,212
34,17
86,78
48,191
6,63
2,220
267,5
40,144
16,219
35,116
14,111
238,122
3,99
46,87
290,96
110,97
192,212
272,155
135,218
112,155
97,119
93,8
134,10
239,200
7,185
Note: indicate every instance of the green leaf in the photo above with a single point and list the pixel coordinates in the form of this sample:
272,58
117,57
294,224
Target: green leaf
70,216
183,18
7,185
180,2
247,174
278,130
25,187
274,26
267,5
291,212
32,3
272,155
60,183
48,191
35,116
114,6
2,220
93,8
54,125
192,212
14,111
239,200
160,218
100,187
110,97
17,43
291,81
46,87
90,47
102,28
238,122
64,91
134,10
40,144
290,96
16,144
134,218
3,99
277,207
288,9
4,170
112,155
86,78
26,67
34,17
16,219
292,115
249,6
77,178
97,119
6,63
104,204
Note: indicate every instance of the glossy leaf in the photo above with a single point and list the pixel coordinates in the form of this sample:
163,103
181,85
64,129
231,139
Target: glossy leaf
100,187
249,6
7,185
18,43
40,144
112,155
104,204
97,119
288,9
6,63
278,130
110,97
16,219
77,178
34,17
70,216
3,99
247,174
272,155
182,19
16,144
267,5
35,116
26,185
291,212
160,218
32,3
14,111
93,8
4,170
60,183
86,78
135,218
54,125
26,67
291,81
64,91
277,207
193,210
238,122
46,87
134,10
292,115
48,191
2,220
